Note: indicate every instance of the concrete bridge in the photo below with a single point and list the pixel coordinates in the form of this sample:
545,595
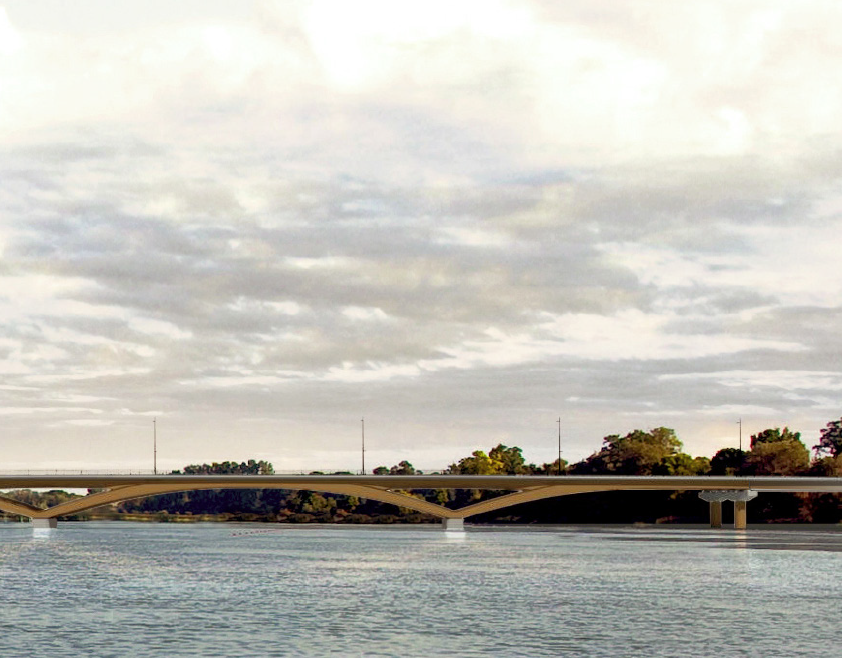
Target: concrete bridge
392,489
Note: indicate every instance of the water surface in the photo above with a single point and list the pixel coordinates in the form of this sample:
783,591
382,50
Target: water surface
132,589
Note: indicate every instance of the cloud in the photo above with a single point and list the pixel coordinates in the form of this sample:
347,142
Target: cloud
455,214
89,422
158,328
788,380
8,411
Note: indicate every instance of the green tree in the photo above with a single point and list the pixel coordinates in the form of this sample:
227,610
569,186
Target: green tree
511,459
776,435
636,453
830,442
777,452
404,468
315,503
251,467
728,461
550,468
682,464
477,464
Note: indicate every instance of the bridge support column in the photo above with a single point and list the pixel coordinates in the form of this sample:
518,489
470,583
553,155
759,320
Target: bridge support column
740,514
44,523
714,499
741,499
453,525
715,513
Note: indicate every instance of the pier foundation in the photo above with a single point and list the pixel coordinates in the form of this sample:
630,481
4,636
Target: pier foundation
45,523
457,525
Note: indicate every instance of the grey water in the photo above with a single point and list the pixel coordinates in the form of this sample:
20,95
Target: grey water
107,589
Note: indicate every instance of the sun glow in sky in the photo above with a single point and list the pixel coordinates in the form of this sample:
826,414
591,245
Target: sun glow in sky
261,221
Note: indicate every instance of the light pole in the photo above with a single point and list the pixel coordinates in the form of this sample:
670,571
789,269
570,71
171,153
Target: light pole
155,446
559,444
740,423
363,431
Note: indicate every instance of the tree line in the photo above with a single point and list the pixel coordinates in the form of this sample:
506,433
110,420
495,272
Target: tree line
658,451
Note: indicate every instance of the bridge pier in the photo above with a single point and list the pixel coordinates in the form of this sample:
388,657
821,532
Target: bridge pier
740,497
740,515
715,513
453,525
44,523
714,499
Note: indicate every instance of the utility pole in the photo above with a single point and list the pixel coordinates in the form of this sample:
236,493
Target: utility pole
363,429
559,444
155,446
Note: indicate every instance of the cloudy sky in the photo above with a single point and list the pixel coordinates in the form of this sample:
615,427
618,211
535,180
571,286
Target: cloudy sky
260,222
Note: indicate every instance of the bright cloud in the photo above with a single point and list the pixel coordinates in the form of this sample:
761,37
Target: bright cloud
455,217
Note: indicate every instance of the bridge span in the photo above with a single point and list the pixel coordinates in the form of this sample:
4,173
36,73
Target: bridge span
394,489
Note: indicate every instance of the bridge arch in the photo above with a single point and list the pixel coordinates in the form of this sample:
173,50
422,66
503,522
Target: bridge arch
525,496
122,493
130,492
11,506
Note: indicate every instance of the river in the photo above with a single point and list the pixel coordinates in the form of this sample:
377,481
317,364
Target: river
118,589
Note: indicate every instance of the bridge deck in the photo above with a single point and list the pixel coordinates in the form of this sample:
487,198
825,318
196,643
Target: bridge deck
500,482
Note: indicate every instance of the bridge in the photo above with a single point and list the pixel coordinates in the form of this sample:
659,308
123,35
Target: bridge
393,489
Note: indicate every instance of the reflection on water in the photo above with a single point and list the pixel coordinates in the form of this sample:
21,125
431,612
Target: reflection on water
800,538
124,589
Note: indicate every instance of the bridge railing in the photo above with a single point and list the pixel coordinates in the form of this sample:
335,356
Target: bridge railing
149,471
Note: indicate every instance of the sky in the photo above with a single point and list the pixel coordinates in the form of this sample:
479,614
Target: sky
260,222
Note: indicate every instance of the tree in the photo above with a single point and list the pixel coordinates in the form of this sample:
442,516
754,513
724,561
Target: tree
728,461
251,467
511,459
636,453
477,464
777,452
827,467
776,435
831,439
315,503
682,464
404,468
550,468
